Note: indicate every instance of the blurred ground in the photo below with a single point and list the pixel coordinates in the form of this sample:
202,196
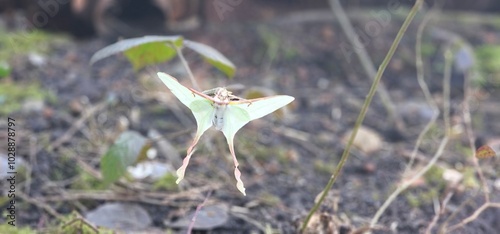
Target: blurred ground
285,163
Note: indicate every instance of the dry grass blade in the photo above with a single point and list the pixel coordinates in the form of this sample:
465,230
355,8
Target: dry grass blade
78,124
40,204
473,216
446,116
366,61
424,87
185,64
439,212
470,135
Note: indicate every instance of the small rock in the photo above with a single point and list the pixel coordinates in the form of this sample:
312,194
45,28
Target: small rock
30,106
120,216
367,140
207,218
452,176
37,60
415,112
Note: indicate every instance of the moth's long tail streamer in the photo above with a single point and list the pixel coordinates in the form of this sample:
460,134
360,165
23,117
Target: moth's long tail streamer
237,173
182,170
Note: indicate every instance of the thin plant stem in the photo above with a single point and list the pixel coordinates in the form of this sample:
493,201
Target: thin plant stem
364,109
474,215
365,61
423,87
442,145
470,135
444,225
186,65
459,43
439,212
193,220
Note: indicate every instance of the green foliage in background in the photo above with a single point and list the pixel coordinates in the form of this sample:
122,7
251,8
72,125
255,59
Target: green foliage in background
7,228
128,149
151,50
23,42
488,60
13,95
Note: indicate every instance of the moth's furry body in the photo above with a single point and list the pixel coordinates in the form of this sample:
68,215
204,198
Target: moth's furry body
221,98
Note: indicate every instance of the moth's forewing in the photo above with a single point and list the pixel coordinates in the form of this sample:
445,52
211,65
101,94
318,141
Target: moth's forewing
201,107
185,95
259,107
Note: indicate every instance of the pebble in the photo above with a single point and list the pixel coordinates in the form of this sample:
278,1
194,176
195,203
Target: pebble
367,140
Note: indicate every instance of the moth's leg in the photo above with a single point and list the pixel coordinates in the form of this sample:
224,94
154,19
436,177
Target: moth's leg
240,100
202,94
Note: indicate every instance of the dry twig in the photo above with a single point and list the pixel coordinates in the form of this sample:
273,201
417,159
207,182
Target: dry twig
442,145
474,216
77,125
39,203
423,87
439,212
366,61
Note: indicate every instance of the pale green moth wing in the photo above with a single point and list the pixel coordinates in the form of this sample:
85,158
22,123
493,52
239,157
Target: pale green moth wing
260,107
202,109
237,115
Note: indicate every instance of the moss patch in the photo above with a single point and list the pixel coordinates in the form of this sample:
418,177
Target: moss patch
7,228
23,42
166,182
13,95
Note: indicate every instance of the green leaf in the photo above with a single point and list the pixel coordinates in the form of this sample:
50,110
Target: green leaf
147,54
4,69
128,149
212,56
142,51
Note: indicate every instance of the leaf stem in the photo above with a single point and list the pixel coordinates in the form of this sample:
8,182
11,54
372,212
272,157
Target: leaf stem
186,65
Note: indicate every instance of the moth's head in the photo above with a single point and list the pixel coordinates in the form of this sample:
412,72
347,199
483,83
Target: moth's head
222,94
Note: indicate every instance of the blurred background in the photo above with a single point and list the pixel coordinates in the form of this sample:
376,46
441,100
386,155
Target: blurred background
69,113
126,18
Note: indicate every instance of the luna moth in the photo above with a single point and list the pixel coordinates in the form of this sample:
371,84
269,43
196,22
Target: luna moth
226,112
